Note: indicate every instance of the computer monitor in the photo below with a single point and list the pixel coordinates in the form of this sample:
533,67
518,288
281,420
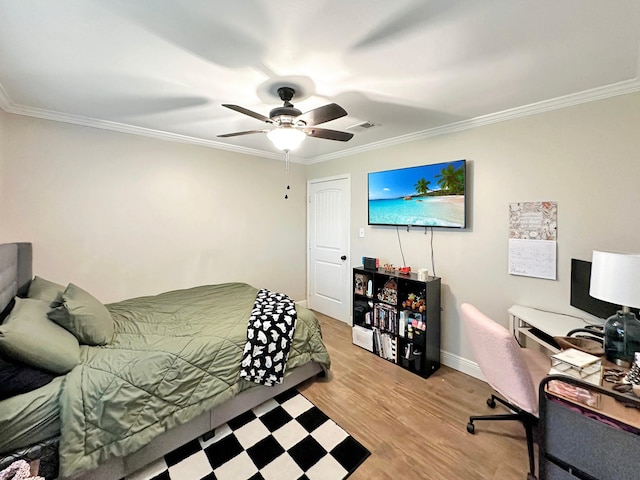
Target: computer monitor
580,298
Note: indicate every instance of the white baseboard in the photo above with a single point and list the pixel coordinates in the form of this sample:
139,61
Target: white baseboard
449,359
461,364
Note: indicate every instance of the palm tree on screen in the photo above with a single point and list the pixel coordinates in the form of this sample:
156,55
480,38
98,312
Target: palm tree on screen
451,180
422,187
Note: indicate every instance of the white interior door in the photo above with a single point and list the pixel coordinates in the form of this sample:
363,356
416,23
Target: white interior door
328,270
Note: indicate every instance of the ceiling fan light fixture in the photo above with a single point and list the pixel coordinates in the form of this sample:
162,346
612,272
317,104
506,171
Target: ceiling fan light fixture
286,138
291,125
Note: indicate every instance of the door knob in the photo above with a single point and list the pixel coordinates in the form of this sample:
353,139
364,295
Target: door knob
343,257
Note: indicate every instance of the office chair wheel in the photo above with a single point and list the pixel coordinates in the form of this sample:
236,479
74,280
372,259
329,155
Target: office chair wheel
491,402
471,428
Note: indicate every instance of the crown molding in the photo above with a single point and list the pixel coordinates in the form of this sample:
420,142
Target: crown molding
8,106
5,101
620,88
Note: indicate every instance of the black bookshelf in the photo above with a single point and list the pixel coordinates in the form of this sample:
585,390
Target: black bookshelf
397,317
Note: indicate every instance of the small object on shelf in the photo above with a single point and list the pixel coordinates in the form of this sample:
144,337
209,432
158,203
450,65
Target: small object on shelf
414,302
404,322
389,292
359,281
423,274
417,360
404,270
389,268
408,352
407,356
414,319
370,263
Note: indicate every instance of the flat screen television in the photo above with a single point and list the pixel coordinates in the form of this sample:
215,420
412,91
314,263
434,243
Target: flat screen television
580,298
425,196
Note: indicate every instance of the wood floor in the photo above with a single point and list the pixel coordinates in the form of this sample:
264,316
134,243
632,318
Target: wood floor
415,428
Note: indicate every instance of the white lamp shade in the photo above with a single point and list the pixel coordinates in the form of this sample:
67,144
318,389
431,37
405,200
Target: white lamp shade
286,138
615,278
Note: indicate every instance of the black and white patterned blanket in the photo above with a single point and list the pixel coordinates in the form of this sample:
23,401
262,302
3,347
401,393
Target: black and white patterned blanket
269,333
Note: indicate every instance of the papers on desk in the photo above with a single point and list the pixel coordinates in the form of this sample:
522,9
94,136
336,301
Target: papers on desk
577,364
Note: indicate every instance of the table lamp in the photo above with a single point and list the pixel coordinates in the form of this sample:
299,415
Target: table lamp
615,278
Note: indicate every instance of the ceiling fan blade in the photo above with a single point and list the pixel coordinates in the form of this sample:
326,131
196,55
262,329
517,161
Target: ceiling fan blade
236,134
329,134
322,114
237,108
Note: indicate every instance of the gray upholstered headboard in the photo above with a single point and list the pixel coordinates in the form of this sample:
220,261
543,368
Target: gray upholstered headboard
15,271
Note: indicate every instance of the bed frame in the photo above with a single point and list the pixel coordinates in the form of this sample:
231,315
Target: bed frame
16,274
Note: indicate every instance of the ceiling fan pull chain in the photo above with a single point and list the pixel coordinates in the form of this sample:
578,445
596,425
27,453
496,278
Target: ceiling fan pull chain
286,163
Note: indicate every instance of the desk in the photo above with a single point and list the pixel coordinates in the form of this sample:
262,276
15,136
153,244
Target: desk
577,442
522,319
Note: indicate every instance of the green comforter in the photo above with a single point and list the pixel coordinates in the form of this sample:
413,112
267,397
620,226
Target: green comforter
173,357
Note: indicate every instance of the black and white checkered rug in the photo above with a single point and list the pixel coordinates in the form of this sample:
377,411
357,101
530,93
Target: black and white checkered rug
286,438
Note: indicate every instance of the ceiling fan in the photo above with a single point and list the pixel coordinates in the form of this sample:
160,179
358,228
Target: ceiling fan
291,125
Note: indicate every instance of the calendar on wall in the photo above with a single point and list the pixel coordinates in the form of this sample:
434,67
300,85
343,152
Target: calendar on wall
533,233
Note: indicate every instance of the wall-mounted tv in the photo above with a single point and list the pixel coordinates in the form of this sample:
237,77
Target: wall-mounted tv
425,196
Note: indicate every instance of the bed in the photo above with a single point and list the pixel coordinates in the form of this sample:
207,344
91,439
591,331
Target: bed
163,373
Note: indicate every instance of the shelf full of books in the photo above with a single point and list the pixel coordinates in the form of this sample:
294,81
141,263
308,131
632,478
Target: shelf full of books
385,345
397,317
385,318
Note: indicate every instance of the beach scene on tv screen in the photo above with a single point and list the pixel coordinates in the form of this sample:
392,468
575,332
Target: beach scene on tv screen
428,195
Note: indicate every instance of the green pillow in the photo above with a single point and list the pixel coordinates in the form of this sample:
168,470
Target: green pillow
42,289
84,316
28,336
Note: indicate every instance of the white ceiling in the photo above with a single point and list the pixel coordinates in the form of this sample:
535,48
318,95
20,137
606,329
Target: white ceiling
414,67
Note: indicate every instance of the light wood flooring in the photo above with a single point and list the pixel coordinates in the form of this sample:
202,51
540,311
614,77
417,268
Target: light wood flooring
415,428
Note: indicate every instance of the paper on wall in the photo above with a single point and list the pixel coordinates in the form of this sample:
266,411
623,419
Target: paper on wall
532,258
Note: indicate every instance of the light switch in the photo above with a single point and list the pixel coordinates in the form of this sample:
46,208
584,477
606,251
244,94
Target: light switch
361,232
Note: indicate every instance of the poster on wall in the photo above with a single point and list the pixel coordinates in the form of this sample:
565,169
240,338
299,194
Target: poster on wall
533,231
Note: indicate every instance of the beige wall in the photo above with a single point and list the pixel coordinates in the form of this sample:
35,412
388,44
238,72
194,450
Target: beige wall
123,215
3,117
584,157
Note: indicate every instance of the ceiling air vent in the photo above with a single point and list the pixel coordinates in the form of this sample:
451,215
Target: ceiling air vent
361,127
